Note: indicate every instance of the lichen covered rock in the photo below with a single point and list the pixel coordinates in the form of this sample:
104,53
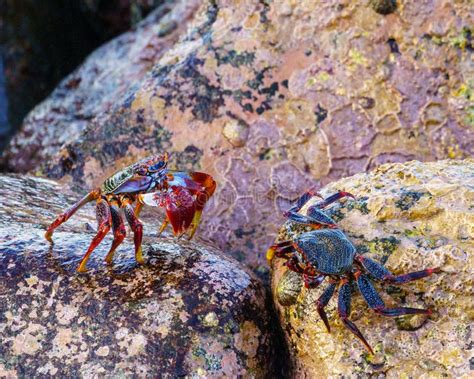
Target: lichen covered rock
190,311
97,86
409,217
270,98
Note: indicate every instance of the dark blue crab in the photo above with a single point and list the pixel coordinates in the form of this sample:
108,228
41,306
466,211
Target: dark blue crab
326,252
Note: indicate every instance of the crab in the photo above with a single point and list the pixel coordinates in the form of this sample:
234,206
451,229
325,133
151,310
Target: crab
148,181
326,252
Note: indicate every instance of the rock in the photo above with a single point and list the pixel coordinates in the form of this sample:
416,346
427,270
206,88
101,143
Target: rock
97,86
271,98
190,311
409,217
35,55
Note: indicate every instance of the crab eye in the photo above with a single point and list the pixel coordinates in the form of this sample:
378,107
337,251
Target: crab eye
157,166
141,171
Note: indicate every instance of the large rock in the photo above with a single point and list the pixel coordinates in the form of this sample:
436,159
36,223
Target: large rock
96,87
270,98
190,311
409,217
35,55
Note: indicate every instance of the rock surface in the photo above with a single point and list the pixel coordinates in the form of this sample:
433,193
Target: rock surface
190,311
269,97
96,87
36,55
409,217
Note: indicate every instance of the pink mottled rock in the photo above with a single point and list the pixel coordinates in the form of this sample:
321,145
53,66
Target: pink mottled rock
270,99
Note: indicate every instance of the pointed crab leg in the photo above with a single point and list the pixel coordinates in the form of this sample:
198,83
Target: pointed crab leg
302,200
119,231
163,226
315,217
375,302
379,272
344,310
104,221
323,301
93,195
331,199
137,228
138,208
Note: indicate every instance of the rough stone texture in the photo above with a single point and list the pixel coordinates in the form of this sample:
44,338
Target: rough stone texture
35,55
272,98
189,311
409,217
97,86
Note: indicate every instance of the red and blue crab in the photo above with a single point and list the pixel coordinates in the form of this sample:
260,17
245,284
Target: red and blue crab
182,194
326,253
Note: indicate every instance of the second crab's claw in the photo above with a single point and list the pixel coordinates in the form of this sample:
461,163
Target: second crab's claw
270,254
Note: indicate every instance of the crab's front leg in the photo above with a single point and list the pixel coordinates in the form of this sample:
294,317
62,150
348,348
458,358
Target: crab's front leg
282,249
93,195
104,219
379,272
136,226
302,200
119,230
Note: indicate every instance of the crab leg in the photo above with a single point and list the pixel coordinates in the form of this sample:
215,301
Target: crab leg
280,249
302,200
344,310
311,281
119,231
293,265
163,226
138,208
93,195
103,220
137,228
331,199
314,218
379,272
323,301
376,303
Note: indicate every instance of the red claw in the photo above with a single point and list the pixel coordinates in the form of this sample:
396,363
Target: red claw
180,209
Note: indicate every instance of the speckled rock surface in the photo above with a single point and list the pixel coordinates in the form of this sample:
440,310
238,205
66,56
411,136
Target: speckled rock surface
409,217
190,311
274,97
97,86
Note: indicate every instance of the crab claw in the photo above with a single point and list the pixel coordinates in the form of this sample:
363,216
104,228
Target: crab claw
180,209
179,204
270,254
